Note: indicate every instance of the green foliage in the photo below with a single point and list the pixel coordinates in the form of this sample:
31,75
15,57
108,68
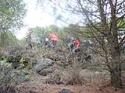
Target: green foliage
11,76
24,62
7,39
11,69
5,74
38,31
121,24
62,32
11,14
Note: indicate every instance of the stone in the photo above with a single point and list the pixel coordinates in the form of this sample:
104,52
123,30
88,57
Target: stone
44,66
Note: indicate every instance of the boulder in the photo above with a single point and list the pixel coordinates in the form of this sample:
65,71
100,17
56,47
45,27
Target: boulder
44,66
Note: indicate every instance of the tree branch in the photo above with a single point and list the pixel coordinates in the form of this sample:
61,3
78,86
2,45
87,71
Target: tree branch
84,12
121,41
122,17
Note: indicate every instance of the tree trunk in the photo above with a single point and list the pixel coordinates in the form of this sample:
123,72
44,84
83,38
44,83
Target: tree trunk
115,71
111,35
116,77
115,49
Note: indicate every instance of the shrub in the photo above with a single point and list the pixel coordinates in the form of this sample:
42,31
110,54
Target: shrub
5,73
7,89
11,76
67,76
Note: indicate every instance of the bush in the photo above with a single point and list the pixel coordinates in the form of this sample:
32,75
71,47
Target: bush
72,76
5,73
7,89
67,76
20,76
10,76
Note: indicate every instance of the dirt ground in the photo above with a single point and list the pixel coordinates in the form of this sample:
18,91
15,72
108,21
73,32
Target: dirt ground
49,88
36,86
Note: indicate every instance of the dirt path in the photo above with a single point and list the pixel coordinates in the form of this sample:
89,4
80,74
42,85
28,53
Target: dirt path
36,86
48,88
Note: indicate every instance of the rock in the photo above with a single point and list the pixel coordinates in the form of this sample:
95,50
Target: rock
65,91
44,66
44,72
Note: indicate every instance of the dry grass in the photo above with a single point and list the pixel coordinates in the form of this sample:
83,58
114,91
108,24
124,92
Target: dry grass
7,89
68,76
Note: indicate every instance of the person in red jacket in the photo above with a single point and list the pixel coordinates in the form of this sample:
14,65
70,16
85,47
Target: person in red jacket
76,45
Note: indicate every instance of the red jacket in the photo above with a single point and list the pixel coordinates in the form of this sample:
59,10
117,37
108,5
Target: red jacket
77,43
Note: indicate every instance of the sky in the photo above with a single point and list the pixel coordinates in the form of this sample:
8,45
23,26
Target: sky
42,15
35,16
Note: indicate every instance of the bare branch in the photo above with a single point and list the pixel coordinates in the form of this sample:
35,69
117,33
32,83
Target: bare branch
121,41
115,5
122,17
119,4
84,12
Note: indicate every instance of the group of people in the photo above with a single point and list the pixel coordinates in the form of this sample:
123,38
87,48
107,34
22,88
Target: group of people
73,43
52,39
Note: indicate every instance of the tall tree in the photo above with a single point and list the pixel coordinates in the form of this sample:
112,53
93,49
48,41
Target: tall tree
11,15
103,19
107,13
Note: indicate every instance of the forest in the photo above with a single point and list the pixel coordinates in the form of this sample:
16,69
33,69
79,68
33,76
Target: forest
82,51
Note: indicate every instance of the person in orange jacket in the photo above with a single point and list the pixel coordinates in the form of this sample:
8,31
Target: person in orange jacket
54,39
